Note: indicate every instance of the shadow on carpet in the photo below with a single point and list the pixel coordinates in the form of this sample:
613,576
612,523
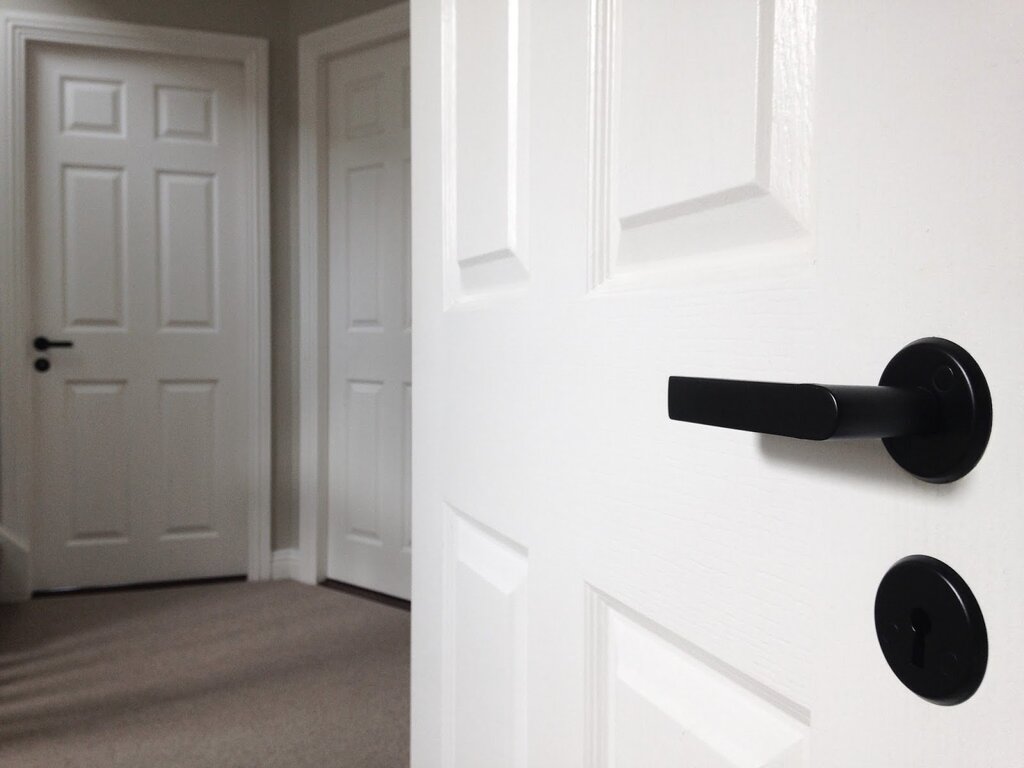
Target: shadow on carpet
213,676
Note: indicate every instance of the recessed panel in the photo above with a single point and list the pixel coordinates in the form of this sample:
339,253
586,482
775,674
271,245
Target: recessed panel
658,702
92,107
98,422
362,486
362,222
188,250
701,129
187,438
687,112
484,127
363,107
94,242
185,114
485,647
484,145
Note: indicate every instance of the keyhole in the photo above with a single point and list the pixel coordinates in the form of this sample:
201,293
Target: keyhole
921,623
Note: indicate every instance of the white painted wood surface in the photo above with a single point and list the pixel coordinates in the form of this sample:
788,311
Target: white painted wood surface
608,193
138,208
370,318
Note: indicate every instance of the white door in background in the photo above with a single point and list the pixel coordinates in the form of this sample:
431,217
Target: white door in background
370,406
138,235
608,193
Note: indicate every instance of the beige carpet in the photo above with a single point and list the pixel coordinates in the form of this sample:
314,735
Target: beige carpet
216,676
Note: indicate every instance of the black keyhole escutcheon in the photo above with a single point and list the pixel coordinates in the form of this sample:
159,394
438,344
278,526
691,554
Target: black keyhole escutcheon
921,623
931,630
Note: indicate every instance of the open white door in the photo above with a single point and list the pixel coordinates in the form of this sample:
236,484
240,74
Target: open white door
370,403
609,193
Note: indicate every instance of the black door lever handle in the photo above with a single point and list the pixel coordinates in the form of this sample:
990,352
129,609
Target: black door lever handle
932,408
42,343
806,411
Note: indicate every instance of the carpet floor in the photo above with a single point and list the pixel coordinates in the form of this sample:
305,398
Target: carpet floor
215,676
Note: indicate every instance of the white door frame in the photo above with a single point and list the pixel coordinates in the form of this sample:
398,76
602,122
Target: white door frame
16,391
316,50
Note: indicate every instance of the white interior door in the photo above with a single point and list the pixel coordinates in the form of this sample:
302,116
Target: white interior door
138,238
609,193
369,442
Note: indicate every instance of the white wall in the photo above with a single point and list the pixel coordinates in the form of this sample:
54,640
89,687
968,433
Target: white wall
280,21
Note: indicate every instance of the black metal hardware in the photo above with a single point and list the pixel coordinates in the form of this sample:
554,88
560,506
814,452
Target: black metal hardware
42,343
931,630
41,364
932,409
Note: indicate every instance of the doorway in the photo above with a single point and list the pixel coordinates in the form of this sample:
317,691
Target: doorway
356,326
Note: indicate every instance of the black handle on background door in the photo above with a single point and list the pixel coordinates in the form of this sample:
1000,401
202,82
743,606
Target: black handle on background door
932,408
42,343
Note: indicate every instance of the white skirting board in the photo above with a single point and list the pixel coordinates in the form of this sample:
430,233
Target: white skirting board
284,564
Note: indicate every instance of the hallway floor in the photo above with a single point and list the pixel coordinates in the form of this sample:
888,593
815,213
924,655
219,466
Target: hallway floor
215,676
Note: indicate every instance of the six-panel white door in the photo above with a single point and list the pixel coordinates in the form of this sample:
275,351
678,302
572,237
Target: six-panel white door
607,193
370,404
138,206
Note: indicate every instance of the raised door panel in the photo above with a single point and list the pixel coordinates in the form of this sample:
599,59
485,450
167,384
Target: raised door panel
484,149
185,114
188,458
484,654
700,131
364,106
94,247
363,190
656,701
362,489
484,129
99,429
187,243
92,107
666,155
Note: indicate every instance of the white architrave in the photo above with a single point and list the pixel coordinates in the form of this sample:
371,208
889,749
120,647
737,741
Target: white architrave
16,393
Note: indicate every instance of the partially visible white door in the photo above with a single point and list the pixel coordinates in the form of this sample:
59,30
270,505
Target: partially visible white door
369,532
138,205
607,193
